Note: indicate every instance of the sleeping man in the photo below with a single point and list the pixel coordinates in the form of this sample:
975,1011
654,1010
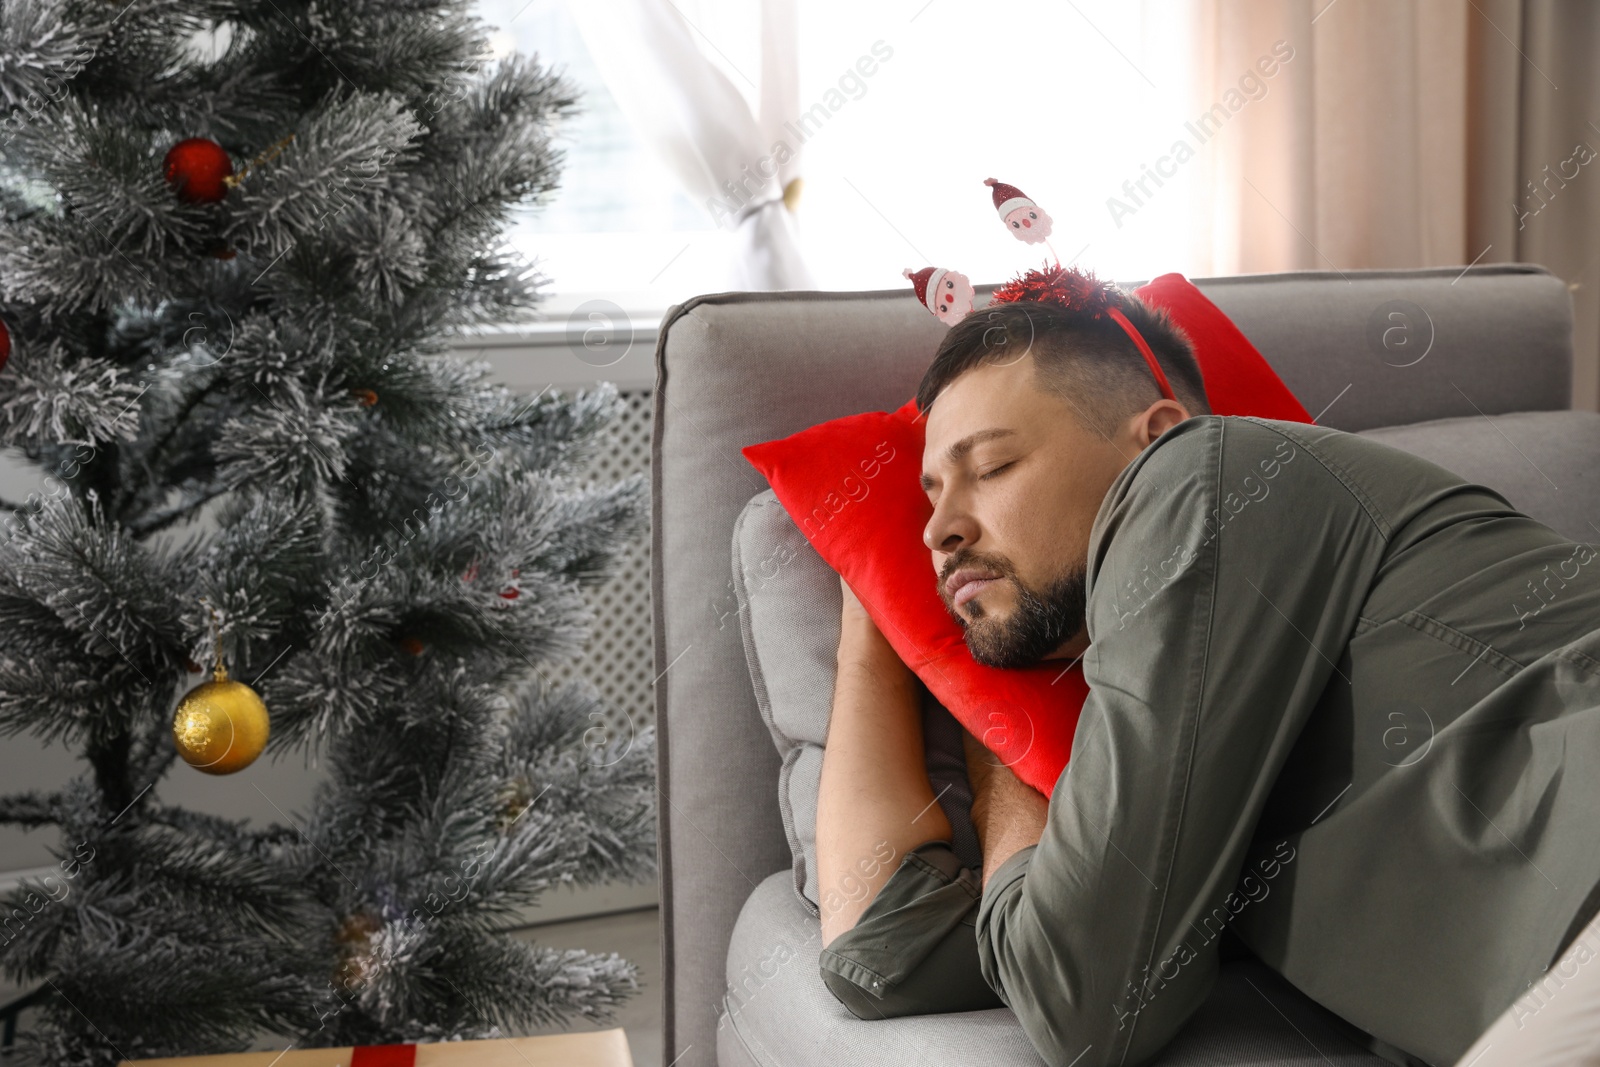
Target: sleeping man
1343,705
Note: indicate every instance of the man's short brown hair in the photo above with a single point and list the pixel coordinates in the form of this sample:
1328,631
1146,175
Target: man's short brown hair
1088,362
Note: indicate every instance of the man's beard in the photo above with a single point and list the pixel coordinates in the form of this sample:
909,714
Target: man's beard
1038,625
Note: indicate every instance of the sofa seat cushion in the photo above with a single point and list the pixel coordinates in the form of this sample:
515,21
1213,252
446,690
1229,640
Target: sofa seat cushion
776,1010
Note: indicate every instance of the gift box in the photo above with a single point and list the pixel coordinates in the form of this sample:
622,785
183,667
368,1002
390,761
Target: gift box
604,1048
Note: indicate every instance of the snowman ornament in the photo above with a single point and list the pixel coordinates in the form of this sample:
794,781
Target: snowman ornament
1026,220
946,293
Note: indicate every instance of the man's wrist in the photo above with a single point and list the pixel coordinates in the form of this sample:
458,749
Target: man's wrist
860,641
1006,867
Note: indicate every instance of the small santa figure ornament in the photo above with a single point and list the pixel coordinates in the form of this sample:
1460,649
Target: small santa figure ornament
513,590
1026,220
946,293
510,591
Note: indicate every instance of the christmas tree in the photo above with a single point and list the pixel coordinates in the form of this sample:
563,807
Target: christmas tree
235,240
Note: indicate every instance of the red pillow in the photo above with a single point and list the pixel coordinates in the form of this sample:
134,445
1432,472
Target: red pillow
851,486
1238,381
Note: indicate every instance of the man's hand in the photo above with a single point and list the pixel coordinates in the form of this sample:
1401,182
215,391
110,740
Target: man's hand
851,609
1008,815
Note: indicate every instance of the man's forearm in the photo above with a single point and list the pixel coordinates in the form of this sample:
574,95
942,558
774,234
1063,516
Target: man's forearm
874,803
1004,836
1007,814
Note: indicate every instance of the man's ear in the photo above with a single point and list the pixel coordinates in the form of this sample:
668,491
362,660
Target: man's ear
1157,419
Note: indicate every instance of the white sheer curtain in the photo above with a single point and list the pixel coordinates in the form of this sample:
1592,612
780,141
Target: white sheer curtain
699,122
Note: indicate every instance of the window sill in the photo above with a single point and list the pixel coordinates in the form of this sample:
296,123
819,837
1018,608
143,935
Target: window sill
580,340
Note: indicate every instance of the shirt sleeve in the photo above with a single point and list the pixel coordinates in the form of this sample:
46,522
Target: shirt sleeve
1227,569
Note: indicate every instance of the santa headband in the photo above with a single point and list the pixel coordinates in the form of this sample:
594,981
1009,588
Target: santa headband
1064,287
923,280
1007,198
1079,291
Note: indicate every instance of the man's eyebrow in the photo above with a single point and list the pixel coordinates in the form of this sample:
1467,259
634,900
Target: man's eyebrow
958,451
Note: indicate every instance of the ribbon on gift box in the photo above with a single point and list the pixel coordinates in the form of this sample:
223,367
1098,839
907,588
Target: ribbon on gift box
383,1056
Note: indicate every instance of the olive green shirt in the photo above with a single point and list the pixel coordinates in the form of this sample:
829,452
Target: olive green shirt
1342,702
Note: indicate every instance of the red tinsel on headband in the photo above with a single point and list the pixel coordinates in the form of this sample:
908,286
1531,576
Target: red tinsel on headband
1067,287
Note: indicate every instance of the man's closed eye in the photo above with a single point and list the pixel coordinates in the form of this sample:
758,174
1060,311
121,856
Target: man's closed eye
997,470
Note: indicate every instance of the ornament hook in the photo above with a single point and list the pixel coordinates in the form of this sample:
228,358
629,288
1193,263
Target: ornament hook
218,671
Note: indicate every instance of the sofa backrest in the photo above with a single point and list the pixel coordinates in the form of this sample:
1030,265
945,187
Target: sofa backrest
1359,348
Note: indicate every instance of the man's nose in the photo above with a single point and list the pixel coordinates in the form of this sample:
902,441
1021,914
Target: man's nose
947,530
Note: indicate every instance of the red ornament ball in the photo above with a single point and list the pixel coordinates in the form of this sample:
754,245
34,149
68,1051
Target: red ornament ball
5,345
198,170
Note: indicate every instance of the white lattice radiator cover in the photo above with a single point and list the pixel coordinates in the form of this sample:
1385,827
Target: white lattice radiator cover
617,660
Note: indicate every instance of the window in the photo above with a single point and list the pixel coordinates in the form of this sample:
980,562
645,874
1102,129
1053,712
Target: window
1066,101
619,226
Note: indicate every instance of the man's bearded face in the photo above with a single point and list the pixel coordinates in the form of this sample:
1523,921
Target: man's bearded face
1039,621
1016,479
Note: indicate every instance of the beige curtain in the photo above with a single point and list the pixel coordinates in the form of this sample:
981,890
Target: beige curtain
1405,133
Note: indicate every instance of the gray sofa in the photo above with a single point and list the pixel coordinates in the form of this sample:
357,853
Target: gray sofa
1371,351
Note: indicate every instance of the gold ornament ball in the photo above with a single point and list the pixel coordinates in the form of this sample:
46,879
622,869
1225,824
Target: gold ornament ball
220,726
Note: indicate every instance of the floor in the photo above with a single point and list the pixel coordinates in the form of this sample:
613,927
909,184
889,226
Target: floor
633,935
